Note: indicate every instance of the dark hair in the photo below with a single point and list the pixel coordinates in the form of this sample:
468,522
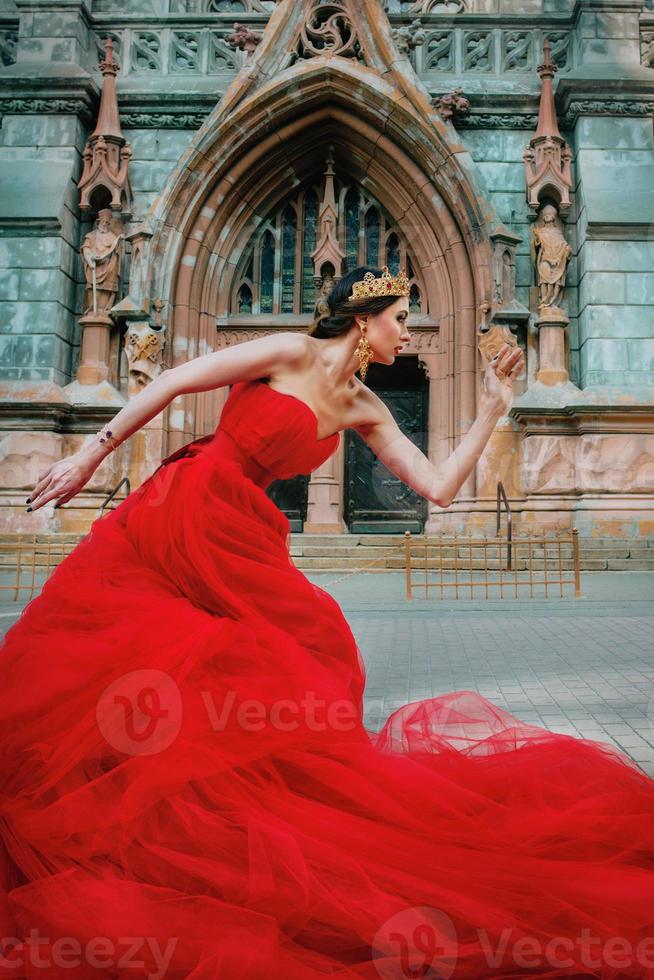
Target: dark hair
334,314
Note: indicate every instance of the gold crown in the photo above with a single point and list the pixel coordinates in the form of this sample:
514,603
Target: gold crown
384,285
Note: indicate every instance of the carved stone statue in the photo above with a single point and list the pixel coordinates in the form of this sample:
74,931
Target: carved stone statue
101,253
551,254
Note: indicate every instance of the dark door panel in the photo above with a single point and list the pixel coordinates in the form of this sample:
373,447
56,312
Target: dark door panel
376,501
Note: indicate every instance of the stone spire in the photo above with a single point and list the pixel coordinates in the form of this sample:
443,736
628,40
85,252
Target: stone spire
547,158
328,252
107,153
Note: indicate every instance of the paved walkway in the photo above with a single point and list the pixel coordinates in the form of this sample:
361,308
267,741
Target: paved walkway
580,666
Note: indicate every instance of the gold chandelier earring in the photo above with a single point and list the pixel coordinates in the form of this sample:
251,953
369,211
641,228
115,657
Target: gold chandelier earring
364,352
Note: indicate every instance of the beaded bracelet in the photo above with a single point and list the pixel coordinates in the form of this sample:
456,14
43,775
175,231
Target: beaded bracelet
105,436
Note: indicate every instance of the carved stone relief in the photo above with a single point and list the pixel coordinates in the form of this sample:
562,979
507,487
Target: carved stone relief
588,464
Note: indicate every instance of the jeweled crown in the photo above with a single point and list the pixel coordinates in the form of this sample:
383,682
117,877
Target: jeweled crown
384,285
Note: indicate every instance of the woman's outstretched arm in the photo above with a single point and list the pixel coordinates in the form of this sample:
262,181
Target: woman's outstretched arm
251,359
403,458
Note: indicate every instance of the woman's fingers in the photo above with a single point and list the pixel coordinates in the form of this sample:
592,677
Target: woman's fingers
41,484
36,498
508,362
51,494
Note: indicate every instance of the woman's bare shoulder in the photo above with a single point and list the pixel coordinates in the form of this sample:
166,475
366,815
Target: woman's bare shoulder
366,408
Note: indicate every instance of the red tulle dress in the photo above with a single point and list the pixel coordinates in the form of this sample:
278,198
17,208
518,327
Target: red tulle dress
188,790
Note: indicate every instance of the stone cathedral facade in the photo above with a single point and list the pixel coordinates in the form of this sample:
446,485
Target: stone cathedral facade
178,176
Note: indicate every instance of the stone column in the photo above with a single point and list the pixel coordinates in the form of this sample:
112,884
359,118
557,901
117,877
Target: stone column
94,352
552,368
325,505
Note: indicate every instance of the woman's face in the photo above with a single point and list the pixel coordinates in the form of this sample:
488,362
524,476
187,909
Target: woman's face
387,331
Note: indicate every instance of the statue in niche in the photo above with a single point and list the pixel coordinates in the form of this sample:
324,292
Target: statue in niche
551,254
328,283
101,254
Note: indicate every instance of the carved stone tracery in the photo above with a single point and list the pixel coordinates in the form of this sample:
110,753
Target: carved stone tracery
329,31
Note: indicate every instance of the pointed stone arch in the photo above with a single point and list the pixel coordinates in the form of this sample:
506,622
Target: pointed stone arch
267,136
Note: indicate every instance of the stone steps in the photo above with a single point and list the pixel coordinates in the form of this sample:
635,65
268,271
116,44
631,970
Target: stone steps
379,552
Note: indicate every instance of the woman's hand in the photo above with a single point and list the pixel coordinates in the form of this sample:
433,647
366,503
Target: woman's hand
500,374
62,481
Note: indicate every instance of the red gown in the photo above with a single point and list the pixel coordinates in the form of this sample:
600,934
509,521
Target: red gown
189,791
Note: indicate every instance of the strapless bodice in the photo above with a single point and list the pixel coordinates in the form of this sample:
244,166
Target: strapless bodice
271,434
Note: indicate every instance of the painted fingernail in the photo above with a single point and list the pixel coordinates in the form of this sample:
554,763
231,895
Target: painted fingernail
29,500
29,510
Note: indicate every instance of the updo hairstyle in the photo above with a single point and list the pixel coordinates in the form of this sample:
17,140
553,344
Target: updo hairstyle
334,314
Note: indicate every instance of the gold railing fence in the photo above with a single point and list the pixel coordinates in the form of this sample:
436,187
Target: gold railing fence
473,567
28,559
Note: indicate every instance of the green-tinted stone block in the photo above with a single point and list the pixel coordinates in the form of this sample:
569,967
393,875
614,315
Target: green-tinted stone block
616,322
641,354
35,317
613,133
509,207
158,144
608,378
30,253
41,131
515,142
634,169
618,256
7,353
44,354
35,188
143,143
524,271
599,51
484,144
640,290
503,176
636,378
598,354
150,175
601,288
9,284
48,284
614,25
24,352
143,201
586,24
56,24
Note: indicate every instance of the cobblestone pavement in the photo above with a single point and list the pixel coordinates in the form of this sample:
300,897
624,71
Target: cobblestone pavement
580,666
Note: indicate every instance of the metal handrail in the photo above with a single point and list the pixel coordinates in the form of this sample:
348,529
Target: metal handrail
110,496
501,493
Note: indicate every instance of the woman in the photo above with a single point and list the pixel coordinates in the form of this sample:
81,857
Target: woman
189,790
